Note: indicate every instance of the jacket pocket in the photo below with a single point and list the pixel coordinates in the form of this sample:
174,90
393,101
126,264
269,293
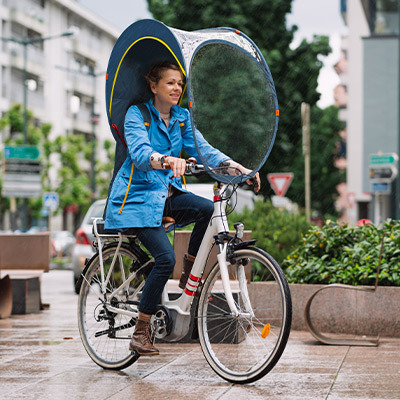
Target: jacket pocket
124,190
131,198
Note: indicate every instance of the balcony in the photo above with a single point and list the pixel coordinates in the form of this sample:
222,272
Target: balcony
82,84
35,60
27,14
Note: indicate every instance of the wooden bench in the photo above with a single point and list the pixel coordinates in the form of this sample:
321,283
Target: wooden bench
23,259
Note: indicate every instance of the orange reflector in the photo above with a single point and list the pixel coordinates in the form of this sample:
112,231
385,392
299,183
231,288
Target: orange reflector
277,113
147,124
265,331
190,104
237,31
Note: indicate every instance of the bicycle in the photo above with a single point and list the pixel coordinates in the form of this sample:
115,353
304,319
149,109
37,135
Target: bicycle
242,336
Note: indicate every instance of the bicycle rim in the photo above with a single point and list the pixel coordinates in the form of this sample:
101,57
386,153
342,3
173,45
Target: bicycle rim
106,335
245,348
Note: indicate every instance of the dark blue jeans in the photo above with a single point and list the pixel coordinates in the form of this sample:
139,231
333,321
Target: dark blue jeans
185,208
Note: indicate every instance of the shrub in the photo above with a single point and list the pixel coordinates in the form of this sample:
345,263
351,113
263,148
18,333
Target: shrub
277,232
345,254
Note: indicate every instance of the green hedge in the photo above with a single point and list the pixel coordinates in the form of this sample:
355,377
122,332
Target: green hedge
277,232
346,254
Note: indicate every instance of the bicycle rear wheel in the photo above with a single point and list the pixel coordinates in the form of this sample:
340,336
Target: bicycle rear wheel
105,335
243,349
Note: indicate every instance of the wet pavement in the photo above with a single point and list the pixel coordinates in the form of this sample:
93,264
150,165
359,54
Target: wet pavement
41,357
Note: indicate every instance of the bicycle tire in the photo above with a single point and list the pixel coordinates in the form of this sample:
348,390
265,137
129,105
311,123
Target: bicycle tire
234,346
106,335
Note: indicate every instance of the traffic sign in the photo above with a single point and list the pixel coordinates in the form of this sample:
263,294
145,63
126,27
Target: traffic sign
50,200
21,152
21,185
383,159
18,166
383,168
383,173
280,182
380,187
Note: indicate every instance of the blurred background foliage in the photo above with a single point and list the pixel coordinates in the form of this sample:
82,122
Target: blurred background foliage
295,71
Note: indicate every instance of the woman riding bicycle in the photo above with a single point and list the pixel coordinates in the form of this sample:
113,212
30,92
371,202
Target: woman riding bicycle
143,191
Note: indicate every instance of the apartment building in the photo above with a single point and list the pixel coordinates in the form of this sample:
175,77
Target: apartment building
372,83
63,73
61,76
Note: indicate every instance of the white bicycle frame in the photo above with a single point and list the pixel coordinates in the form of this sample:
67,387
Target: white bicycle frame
181,306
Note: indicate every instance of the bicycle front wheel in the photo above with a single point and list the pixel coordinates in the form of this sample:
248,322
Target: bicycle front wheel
105,335
244,348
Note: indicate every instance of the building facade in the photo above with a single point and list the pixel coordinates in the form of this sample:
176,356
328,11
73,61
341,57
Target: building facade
372,101
64,74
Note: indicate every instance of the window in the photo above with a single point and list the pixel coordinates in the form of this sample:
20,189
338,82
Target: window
385,17
83,64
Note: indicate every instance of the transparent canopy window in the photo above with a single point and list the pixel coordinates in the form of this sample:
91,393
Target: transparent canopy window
233,103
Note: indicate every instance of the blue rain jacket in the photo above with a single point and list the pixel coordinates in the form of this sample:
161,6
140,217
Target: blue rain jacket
139,192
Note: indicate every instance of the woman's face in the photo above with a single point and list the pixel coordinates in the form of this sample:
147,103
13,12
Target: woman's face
168,90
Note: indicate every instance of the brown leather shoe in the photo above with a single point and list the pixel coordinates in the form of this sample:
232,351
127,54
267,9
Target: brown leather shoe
142,340
188,261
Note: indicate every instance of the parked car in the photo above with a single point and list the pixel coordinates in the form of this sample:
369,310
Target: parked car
83,239
62,243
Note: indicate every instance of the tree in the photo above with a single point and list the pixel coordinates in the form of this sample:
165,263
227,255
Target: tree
74,154
295,70
324,140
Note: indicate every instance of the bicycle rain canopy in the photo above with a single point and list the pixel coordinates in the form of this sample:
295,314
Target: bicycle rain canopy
231,94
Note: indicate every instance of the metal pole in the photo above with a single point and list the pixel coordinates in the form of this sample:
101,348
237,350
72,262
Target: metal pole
396,184
25,123
305,115
93,140
25,130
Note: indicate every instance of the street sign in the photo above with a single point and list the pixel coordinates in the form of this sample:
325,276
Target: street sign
16,166
383,168
21,185
21,152
383,159
380,187
50,200
280,182
21,172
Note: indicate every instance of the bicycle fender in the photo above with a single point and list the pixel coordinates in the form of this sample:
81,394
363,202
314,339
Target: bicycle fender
83,273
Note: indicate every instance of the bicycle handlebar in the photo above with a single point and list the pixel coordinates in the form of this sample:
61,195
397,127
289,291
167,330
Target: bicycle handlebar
194,169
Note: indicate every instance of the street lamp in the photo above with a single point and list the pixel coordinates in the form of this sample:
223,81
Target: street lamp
25,42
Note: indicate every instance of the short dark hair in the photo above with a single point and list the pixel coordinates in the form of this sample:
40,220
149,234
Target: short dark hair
155,73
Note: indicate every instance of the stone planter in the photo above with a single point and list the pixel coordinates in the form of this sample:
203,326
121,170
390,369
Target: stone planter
334,310
337,310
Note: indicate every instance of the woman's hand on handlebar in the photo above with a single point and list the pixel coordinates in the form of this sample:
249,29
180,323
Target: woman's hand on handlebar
176,165
255,180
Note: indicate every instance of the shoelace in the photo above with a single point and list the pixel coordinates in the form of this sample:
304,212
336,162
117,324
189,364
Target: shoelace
150,333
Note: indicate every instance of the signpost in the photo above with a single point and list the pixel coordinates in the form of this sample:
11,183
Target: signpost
21,172
50,202
382,172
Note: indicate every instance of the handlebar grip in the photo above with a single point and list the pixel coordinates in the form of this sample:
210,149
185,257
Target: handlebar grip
255,184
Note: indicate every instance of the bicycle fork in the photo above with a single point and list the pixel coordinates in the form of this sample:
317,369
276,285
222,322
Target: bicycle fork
226,284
